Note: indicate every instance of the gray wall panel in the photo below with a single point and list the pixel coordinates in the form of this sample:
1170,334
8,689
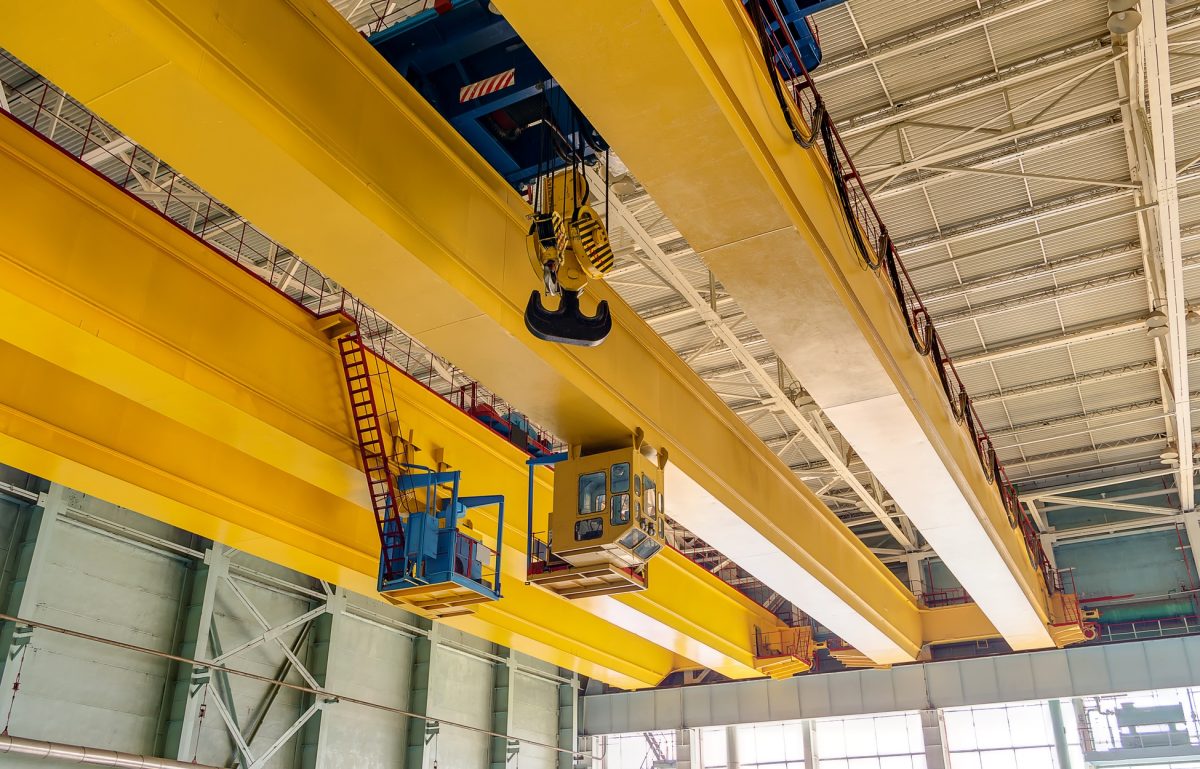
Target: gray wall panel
1077,671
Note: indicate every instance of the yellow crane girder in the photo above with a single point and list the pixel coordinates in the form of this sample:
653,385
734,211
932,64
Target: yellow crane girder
682,91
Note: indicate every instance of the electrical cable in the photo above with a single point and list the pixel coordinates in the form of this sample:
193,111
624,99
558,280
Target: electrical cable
269,680
822,126
764,40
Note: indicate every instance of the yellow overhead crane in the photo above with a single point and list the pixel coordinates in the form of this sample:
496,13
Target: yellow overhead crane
733,154
368,183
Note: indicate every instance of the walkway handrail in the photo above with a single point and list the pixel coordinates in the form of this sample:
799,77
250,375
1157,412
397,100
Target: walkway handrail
801,103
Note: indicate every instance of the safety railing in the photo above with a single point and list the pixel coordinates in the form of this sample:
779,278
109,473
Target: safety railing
64,122
509,424
1137,630
469,553
807,117
942,597
782,643
541,558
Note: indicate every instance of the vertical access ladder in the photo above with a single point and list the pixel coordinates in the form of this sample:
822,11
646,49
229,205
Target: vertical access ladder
381,483
426,564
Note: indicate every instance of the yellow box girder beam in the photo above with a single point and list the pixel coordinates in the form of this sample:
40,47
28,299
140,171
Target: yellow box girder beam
158,375
681,90
283,111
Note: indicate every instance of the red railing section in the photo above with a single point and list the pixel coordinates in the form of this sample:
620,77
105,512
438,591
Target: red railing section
72,128
801,103
782,643
937,598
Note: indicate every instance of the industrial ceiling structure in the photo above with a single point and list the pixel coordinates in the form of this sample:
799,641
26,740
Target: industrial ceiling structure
763,467
1021,184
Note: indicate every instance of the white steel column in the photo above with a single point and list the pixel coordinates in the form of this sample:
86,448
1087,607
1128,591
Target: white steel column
685,749
216,561
35,545
933,731
1191,525
420,732
332,671
811,760
1158,78
568,722
503,750
916,576
1058,725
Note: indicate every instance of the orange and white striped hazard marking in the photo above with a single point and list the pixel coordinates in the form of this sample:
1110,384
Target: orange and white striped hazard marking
487,85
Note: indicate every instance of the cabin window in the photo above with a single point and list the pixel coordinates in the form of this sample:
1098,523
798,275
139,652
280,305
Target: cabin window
620,478
589,528
620,509
591,493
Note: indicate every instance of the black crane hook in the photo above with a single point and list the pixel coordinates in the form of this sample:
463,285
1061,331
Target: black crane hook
567,324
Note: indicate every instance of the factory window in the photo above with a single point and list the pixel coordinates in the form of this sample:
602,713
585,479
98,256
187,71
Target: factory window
714,748
589,528
635,751
620,509
752,746
770,746
1013,736
871,742
620,478
591,493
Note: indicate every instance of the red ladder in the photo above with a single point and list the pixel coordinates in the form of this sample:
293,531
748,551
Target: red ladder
380,481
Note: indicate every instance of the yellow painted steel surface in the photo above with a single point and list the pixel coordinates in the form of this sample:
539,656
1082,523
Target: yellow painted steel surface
681,91
284,112
956,624
146,369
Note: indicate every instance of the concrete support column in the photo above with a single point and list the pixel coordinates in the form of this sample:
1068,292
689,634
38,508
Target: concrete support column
808,729
916,575
684,743
33,556
933,731
503,750
1191,525
731,748
331,668
1058,725
1048,541
188,706
568,723
421,733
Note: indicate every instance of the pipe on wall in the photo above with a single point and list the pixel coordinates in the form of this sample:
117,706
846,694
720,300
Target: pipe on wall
74,754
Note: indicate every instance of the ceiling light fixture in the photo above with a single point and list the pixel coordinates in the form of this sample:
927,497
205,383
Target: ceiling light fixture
1156,324
1123,16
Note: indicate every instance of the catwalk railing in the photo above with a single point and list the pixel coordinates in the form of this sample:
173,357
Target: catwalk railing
810,123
